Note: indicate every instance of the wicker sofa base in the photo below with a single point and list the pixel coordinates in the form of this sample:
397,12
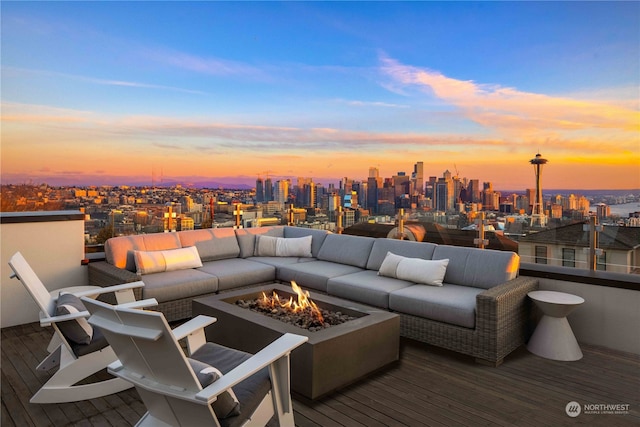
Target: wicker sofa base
503,323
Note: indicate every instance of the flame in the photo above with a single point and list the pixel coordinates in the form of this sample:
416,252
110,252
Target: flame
301,304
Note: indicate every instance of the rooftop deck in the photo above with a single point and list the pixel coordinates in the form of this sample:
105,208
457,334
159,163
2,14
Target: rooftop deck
427,387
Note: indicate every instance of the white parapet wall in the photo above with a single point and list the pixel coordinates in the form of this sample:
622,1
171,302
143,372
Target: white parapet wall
608,318
53,244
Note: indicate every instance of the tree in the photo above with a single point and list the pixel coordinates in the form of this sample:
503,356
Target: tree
105,233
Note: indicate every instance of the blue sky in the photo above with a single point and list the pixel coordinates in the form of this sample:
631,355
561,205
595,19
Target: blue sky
106,92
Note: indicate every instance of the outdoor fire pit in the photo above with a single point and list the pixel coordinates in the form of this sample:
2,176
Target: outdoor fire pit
333,356
300,311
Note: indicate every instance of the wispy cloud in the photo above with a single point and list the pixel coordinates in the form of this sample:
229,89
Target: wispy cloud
168,146
204,65
358,103
99,81
139,85
509,110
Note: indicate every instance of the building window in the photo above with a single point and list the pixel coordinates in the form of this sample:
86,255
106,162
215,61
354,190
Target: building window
601,261
541,254
568,257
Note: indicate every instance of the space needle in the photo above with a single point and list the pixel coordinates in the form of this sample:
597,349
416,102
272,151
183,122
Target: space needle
538,216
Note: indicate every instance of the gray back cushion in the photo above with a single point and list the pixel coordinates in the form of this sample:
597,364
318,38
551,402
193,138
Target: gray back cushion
346,249
247,238
119,250
480,268
405,248
318,236
212,243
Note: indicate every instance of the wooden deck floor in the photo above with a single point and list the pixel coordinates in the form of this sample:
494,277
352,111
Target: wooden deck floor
427,387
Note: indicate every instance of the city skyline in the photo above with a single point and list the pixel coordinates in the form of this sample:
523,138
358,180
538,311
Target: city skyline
226,92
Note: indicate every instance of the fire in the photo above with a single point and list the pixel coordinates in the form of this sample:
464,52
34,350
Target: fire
303,303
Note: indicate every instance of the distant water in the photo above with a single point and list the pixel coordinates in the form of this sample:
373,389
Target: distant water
624,209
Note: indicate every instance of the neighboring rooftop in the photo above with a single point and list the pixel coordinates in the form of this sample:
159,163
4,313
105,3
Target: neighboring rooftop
619,238
434,233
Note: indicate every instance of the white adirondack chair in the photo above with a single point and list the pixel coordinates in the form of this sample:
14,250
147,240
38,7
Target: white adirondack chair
75,362
150,356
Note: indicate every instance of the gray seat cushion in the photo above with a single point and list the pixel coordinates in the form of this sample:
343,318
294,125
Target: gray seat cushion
403,248
314,274
365,287
173,285
449,303
98,342
480,268
235,272
249,392
277,261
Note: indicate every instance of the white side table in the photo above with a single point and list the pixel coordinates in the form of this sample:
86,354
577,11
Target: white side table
553,337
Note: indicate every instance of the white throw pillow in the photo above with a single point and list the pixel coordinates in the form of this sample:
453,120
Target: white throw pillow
283,247
389,265
294,246
426,272
148,262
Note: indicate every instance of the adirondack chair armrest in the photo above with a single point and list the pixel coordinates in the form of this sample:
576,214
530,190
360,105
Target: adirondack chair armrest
123,292
193,331
150,302
265,357
48,320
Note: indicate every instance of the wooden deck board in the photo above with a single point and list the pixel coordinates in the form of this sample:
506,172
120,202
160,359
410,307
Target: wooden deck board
427,387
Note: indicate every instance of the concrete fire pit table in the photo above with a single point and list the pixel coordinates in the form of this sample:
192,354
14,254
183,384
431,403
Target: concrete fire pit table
330,359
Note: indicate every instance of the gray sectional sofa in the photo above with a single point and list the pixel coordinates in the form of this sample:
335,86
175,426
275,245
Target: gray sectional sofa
479,307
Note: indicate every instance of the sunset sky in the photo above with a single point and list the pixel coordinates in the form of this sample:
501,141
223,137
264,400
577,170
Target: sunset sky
114,93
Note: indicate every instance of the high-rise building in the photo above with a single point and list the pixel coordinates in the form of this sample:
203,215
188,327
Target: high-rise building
303,192
320,192
281,193
372,194
401,185
445,196
603,210
362,193
444,193
417,178
310,194
430,192
259,190
583,205
473,191
268,190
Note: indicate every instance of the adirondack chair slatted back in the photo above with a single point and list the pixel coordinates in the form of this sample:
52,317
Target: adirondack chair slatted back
144,344
152,359
32,283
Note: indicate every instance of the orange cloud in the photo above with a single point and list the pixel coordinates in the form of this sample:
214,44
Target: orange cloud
512,111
